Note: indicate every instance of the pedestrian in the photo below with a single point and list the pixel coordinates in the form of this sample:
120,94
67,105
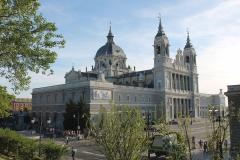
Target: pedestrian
200,143
66,139
205,147
73,153
193,142
225,144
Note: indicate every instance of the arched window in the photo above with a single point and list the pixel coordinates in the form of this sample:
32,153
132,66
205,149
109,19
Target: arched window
158,50
167,51
187,59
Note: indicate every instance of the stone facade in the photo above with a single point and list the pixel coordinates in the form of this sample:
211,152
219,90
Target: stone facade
233,95
216,100
169,89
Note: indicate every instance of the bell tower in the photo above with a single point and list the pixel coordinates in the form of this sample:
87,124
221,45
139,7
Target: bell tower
161,56
161,43
189,55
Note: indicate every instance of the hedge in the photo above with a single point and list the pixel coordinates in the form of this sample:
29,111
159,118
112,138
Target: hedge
23,148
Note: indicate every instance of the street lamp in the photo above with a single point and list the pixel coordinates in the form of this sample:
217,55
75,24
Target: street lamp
40,132
49,121
147,128
213,112
191,115
74,116
49,127
32,122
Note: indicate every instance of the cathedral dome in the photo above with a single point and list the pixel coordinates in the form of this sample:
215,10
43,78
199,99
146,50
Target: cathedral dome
110,48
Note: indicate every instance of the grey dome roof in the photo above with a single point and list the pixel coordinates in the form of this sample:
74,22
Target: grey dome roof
110,48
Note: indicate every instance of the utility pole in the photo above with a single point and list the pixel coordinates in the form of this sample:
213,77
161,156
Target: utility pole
40,137
148,131
220,137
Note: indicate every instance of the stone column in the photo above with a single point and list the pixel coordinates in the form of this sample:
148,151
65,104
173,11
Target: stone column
180,81
176,81
179,106
182,104
173,81
187,109
175,108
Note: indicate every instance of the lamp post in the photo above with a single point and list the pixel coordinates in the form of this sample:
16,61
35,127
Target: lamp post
74,116
213,113
40,135
49,127
147,128
32,122
191,112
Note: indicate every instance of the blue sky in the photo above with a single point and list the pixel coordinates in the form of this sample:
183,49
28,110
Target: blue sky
214,31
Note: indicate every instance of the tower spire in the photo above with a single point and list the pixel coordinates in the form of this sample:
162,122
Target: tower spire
160,28
188,44
110,35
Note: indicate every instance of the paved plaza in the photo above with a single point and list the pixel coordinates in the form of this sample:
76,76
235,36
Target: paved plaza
87,149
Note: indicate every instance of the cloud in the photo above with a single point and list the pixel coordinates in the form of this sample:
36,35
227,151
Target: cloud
218,58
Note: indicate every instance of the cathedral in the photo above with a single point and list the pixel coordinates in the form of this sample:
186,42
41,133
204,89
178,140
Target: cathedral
169,89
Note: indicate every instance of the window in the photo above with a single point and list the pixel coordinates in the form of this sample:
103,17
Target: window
48,98
128,98
55,98
40,99
159,85
158,50
63,97
187,59
135,99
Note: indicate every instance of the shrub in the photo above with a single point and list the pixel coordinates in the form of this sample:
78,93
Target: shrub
23,148
52,151
16,144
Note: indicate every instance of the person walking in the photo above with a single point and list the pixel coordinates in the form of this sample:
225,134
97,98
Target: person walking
226,144
193,142
200,143
205,147
73,154
66,139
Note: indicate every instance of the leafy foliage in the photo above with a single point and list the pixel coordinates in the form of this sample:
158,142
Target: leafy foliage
5,102
15,144
183,124
219,132
26,42
120,133
52,151
75,111
22,148
178,151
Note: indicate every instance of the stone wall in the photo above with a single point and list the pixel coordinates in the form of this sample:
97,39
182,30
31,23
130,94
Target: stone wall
233,95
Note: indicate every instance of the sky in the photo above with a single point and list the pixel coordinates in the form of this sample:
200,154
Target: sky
214,28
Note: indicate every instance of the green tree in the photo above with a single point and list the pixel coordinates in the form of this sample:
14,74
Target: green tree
220,132
76,113
183,124
120,133
26,42
5,102
177,151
